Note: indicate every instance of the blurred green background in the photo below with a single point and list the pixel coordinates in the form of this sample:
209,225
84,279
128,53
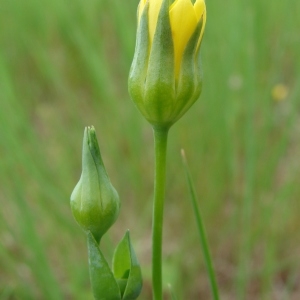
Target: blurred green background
64,65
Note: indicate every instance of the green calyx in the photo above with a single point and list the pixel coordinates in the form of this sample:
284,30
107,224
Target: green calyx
94,201
159,95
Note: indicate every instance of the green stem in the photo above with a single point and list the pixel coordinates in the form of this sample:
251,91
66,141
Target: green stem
160,141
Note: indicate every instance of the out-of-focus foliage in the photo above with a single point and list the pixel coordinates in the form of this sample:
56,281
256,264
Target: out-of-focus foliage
64,65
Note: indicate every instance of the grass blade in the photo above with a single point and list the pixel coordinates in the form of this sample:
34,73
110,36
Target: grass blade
201,230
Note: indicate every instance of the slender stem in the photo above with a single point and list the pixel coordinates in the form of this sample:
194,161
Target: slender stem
160,141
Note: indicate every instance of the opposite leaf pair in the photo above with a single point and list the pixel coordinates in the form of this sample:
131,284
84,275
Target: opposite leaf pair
124,281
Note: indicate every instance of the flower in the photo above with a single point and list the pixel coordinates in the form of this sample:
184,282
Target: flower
165,77
280,92
94,201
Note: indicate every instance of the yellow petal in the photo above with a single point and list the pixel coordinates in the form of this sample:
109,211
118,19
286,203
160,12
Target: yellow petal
154,8
199,8
141,8
183,20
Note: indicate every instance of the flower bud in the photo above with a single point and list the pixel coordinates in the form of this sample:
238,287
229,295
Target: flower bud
94,201
165,76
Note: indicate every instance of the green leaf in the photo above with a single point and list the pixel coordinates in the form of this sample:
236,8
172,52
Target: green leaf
201,231
173,295
103,283
126,267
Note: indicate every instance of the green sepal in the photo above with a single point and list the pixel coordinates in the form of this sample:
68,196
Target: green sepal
189,84
94,201
126,268
138,70
104,285
160,81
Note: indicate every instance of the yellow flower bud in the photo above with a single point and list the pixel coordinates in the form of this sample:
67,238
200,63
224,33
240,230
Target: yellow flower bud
165,77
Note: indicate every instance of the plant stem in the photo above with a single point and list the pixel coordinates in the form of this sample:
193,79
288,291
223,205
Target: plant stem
160,142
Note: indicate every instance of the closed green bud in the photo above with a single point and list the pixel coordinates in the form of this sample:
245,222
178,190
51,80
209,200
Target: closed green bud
94,201
165,77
